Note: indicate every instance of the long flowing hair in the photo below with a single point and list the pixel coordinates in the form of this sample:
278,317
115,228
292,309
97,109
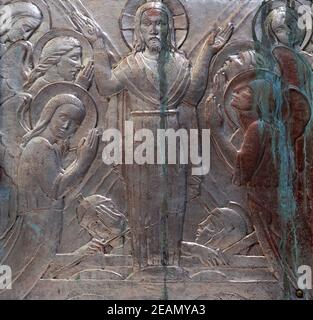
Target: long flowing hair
18,11
139,43
51,55
48,112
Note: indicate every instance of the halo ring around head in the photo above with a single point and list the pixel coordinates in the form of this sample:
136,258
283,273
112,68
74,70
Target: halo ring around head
52,90
274,4
127,20
232,48
242,79
55,33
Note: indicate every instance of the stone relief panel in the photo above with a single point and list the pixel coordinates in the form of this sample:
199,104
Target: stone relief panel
233,78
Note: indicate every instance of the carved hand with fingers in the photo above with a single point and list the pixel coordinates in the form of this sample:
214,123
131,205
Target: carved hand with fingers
88,147
108,207
207,256
93,247
214,113
96,245
212,258
86,26
85,77
219,37
219,82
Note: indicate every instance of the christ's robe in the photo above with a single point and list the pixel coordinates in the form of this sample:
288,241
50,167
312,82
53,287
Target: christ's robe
156,193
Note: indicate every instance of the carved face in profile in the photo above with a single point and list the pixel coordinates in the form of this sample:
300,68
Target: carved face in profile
242,101
242,98
22,29
154,29
60,60
66,121
237,63
207,230
70,64
19,21
234,60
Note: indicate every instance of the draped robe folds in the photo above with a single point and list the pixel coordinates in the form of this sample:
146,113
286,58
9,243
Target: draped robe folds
296,71
39,219
283,232
255,167
14,66
156,194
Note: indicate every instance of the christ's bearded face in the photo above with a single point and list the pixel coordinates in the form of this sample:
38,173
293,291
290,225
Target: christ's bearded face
154,29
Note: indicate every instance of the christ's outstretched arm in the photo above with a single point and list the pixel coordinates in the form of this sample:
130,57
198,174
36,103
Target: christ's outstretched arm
200,71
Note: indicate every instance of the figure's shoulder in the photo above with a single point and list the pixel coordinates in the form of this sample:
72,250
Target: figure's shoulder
182,58
255,125
38,144
257,130
127,68
37,86
125,62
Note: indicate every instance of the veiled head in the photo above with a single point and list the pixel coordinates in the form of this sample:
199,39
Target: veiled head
281,26
18,21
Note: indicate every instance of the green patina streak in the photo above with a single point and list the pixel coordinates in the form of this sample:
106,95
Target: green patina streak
284,155
163,82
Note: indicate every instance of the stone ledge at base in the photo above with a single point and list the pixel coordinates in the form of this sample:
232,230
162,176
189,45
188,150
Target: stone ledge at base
132,290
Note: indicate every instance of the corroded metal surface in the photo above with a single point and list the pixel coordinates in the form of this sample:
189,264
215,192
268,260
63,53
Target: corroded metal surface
74,74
